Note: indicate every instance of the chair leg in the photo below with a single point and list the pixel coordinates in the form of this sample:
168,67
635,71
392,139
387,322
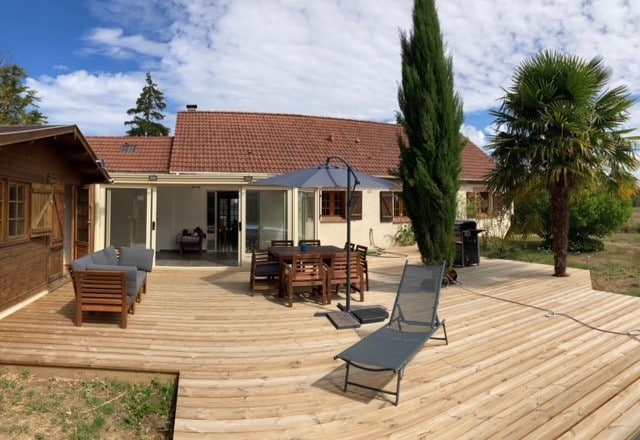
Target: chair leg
400,373
346,378
125,313
78,318
444,328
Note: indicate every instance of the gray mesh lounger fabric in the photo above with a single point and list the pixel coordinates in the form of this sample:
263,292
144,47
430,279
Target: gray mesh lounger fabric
413,322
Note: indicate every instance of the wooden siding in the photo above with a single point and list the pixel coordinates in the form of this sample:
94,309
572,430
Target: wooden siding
251,368
27,266
23,270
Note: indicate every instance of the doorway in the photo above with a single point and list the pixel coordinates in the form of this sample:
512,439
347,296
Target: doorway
223,224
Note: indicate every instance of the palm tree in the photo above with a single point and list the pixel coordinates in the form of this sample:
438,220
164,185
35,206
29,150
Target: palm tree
557,124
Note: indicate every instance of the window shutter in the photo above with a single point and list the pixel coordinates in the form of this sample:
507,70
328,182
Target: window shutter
41,209
497,203
386,206
356,201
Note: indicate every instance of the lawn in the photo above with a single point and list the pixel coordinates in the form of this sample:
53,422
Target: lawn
41,404
614,270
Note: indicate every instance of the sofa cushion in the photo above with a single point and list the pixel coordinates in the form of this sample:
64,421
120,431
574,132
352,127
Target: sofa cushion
81,263
134,281
138,257
99,257
112,257
105,256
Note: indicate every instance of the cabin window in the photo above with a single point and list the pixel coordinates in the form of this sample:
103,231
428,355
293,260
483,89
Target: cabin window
17,204
334,205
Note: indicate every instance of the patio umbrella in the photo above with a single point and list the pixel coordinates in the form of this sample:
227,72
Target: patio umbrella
325,176
331,176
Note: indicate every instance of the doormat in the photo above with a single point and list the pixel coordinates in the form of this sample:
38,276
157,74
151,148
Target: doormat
342,320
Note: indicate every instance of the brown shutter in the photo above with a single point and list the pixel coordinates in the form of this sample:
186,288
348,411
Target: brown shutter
356,214
386,206
41,209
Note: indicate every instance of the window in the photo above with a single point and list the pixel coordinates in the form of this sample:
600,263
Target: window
334,205
399,209
482,204
17,203
393,207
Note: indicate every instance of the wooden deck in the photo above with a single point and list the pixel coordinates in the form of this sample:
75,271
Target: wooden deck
251,368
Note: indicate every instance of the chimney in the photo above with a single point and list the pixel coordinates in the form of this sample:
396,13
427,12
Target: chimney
191,107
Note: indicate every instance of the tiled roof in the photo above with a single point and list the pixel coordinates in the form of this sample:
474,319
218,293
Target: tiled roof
278,143
133,154
475,163
236,142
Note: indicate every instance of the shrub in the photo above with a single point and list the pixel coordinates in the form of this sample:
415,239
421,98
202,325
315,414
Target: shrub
405,236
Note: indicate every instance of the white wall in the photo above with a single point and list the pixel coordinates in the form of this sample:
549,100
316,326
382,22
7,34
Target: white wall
368,231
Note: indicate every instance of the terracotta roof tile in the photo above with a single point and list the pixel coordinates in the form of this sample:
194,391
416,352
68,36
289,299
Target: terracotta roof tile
476,164
279,143
236,142
133,154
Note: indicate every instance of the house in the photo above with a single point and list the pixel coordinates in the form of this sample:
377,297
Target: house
45,207
204,177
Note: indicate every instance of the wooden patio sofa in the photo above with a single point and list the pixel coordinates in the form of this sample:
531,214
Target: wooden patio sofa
108,281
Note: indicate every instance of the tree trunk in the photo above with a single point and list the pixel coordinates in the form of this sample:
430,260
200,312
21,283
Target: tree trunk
560,196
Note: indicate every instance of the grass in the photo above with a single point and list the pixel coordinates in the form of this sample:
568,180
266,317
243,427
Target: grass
614,270
40,406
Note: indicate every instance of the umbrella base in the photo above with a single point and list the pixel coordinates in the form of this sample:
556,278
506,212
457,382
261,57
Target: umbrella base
342,320
366,314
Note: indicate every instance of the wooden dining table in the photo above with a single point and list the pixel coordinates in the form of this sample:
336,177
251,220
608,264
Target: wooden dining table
285,254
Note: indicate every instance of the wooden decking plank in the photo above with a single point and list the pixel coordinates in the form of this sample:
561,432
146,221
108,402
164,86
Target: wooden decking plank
250,367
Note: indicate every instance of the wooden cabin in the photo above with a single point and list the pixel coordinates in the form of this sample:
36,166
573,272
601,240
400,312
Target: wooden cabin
45,207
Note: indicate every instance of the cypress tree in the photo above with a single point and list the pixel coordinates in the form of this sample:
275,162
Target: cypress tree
430,155
150,105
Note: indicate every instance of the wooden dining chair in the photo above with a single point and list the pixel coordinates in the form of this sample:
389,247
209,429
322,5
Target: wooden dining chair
306,270
265,272
337,277
362,251
285,243
309,242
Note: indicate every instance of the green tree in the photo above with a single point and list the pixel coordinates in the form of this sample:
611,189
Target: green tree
147,112
594,214
431,115
558,125
17,101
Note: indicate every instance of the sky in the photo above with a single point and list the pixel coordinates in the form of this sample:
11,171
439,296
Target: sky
87,59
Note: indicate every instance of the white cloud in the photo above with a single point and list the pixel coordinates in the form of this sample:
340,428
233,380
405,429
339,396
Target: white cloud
337,58
113,43
476,136
97,103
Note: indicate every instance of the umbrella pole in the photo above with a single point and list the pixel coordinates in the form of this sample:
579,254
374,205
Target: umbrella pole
349,207
345,318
